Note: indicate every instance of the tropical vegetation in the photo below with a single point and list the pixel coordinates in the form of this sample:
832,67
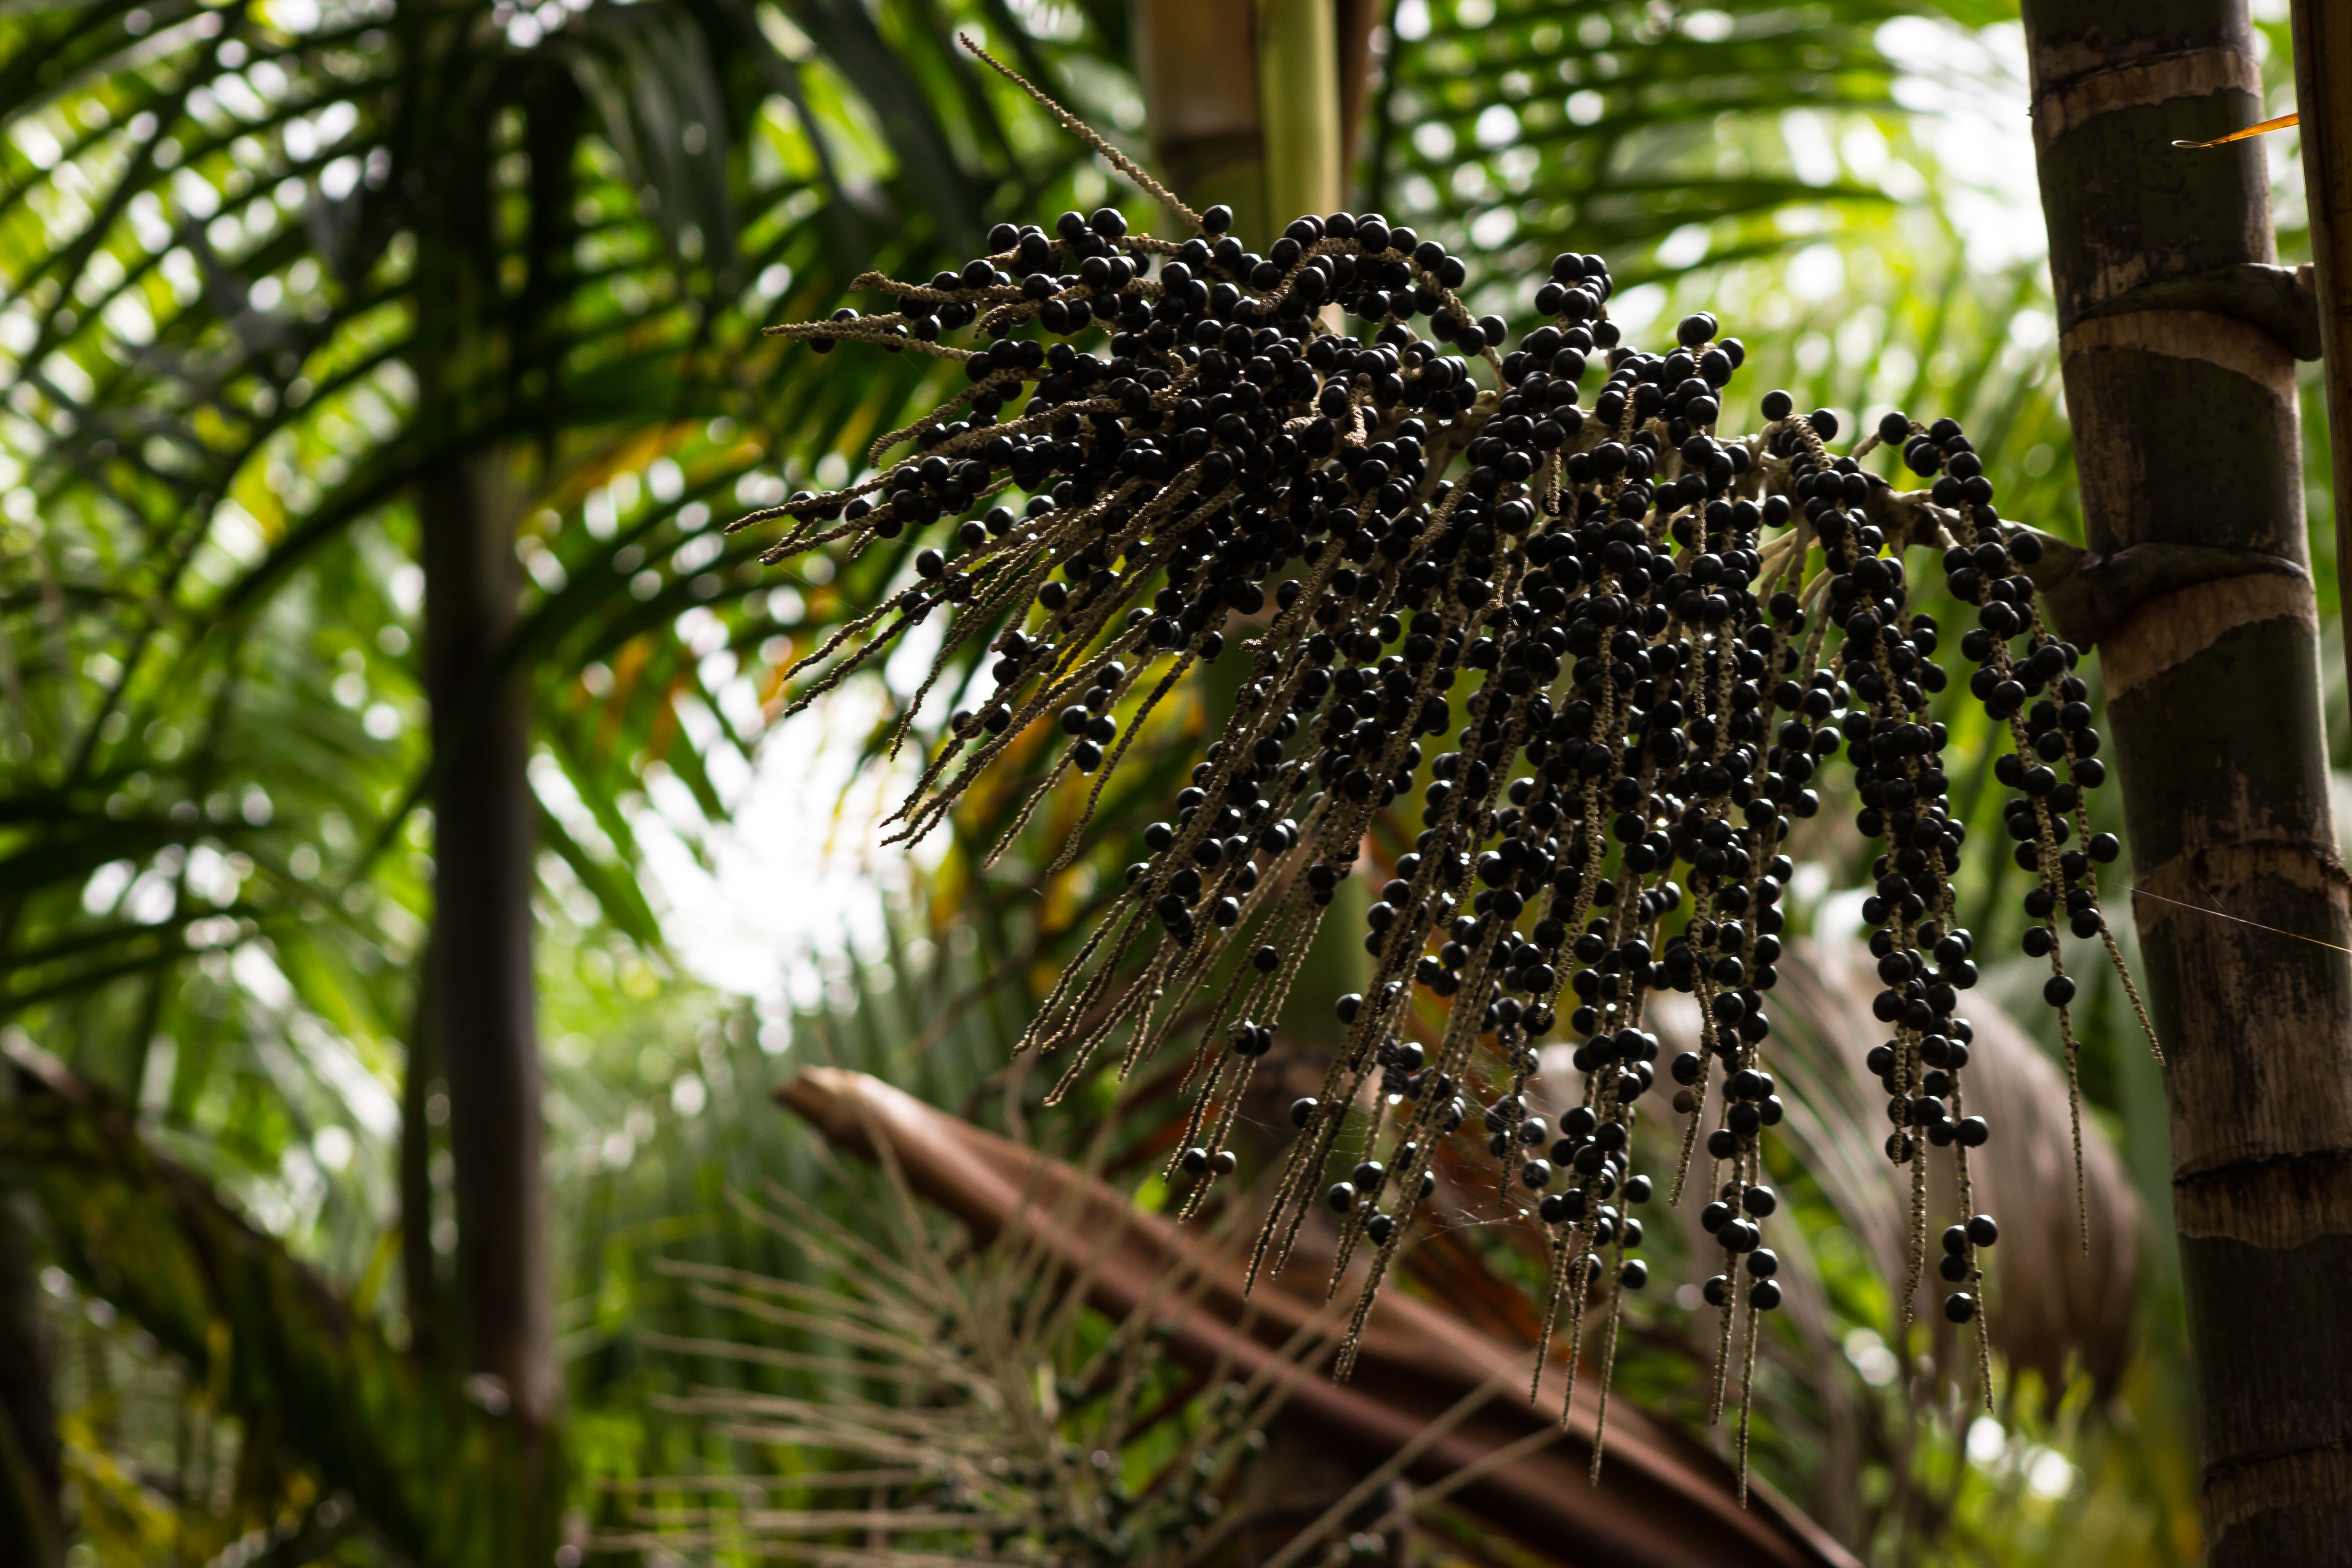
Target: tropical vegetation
382,378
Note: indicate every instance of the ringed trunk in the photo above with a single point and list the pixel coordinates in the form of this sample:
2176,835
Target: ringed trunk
481,991
477,1029
2185,435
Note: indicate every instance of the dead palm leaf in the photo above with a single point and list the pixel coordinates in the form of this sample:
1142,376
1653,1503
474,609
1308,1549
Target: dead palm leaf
1507,1463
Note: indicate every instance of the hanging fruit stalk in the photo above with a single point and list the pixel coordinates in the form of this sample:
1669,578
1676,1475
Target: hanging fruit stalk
1655,676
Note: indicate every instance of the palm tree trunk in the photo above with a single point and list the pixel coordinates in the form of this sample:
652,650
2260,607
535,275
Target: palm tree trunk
2323,97
477,1006
481,993
31,1531
2185,435
1299,101
1271,142
481,990
1207,134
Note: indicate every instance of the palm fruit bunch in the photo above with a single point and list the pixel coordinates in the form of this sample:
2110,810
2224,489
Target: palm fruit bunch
1530,590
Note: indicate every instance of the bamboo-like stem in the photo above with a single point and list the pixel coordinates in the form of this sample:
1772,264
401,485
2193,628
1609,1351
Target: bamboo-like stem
1299,106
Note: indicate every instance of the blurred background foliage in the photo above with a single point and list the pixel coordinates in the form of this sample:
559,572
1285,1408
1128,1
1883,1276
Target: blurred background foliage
214,864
